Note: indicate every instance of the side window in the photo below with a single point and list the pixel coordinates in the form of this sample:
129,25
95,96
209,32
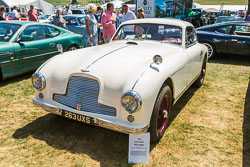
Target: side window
37,32
53,31
71,21
224,30
191,37
242,30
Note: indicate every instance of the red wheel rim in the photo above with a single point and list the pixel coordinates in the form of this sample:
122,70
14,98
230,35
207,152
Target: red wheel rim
203,72
162,115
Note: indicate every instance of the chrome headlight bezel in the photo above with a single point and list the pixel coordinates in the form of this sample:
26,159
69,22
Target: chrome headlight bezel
137,99
42,80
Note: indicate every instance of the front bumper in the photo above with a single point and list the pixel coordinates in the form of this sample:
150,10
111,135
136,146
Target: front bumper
103,123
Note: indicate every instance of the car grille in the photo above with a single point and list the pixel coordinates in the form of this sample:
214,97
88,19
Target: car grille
82,94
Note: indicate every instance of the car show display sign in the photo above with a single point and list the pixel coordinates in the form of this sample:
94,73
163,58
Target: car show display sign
148,6
139,145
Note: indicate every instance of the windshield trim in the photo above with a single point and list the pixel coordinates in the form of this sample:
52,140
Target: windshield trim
116,33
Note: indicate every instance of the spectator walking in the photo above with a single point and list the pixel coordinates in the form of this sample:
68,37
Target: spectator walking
33,15
91,36
3,13
108,23
67,11
140,14
15,14
127,14
98,16
58,20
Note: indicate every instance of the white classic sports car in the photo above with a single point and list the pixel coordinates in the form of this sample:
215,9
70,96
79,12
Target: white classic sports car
128,85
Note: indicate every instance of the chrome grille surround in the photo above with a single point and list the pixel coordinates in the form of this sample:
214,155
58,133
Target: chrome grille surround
82,94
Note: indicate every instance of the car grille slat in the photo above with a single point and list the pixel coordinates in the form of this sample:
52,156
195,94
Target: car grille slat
84,92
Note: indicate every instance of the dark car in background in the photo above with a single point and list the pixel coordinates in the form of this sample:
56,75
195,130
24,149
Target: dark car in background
229,37
223,19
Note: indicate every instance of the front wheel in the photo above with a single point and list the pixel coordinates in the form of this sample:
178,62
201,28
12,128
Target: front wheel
161,114
211,49
71,48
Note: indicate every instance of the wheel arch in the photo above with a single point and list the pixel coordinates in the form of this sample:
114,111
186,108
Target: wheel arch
169,81
207,41
74,44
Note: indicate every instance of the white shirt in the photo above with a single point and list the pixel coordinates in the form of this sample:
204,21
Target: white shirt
15,14
69,12
128,16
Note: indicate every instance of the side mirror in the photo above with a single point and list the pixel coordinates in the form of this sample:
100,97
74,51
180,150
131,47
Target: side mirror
25,38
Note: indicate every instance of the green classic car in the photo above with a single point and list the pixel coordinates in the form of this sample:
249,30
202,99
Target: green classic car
24,46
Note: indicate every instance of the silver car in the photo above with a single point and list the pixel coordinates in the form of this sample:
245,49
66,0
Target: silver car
75,23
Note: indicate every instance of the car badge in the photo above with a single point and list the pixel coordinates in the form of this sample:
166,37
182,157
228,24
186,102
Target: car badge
78,107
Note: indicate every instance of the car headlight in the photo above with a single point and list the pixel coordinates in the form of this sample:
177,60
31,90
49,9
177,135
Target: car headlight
131,102
38,81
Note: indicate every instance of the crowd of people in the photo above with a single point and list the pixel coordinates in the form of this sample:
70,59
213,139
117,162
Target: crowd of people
96,18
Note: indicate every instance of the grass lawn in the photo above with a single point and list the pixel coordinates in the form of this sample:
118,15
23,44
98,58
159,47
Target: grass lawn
210,127
203,2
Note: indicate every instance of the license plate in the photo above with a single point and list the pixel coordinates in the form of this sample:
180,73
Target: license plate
80,118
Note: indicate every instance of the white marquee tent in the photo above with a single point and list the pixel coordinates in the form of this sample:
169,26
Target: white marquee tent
25,4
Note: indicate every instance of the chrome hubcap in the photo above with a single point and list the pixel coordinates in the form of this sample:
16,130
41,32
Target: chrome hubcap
210,49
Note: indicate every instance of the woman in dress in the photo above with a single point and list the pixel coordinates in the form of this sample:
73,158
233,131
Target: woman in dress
91,34
58,20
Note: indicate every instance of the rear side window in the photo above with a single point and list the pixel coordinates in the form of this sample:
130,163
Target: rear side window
191,37
53,31
224,30
242,30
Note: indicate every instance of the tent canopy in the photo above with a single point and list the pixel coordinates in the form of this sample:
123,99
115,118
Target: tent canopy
24,5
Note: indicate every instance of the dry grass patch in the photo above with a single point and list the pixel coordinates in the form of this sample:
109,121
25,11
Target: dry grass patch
206,128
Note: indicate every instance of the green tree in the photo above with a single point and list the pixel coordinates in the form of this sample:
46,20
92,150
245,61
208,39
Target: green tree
74,1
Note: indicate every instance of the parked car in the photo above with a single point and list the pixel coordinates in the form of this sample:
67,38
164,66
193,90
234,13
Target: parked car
78,11
46,18
230,37
75,23
129,84
223,19
23,16
24,46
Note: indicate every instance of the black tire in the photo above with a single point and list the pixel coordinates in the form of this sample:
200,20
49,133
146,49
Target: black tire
158,126
211,49
73,47
200,80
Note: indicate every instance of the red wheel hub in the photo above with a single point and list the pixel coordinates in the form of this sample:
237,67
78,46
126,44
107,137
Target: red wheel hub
163,114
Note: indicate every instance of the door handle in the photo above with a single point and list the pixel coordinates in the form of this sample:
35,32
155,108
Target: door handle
52,44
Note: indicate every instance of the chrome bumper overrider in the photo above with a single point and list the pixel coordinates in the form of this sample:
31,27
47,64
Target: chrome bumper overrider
103,123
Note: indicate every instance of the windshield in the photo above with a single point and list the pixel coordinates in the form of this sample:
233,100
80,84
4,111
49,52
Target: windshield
82,20
157,32
7,31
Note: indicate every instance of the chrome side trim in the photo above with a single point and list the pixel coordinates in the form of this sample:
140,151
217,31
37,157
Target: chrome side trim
103,123
186,88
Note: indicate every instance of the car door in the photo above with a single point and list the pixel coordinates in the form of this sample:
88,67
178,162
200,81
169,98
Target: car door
74,25
222,39
31,54
241,40
194,54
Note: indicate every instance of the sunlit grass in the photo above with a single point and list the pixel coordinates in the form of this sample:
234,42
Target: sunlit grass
206,129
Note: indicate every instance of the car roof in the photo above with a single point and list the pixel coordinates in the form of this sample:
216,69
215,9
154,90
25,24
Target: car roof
166,21
224,24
